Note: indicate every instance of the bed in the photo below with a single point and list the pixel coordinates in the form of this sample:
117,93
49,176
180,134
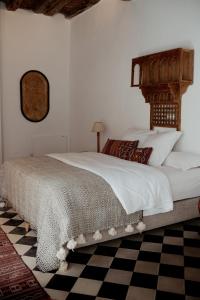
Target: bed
71,204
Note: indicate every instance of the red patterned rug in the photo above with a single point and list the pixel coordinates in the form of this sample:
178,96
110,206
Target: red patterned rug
17,282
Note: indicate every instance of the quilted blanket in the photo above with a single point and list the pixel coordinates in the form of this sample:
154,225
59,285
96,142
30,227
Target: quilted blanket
61,202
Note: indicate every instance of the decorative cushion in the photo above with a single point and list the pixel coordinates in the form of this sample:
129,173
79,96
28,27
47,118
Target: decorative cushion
182,160
162,144
119,148
140,155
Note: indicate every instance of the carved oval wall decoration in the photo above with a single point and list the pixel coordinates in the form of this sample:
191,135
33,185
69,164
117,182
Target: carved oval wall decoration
34,88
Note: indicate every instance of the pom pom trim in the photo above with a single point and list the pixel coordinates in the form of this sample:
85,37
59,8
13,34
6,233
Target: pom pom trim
141,226
97,235
129,228
71,245
112,231
61,254
81,239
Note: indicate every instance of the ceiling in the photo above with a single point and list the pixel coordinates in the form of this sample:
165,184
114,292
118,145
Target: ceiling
69,8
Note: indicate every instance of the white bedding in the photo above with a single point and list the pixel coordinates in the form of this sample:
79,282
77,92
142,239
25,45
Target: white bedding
184,184
137,186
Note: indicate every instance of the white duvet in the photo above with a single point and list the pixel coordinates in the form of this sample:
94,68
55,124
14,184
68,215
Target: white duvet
137,186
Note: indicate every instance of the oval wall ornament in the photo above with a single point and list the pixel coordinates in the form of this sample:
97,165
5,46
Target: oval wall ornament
34,90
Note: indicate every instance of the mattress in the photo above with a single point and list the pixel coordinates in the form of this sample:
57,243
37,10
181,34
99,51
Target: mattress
184,184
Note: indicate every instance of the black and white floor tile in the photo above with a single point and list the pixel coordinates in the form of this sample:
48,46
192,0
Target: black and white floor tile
159,264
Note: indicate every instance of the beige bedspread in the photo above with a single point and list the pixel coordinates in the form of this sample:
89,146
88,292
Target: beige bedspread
60,201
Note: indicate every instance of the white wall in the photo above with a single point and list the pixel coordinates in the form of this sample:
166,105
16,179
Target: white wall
103,41
29,41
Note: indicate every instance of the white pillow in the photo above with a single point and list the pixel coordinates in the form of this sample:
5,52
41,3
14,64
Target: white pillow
163,129
134,134
162,144
182,160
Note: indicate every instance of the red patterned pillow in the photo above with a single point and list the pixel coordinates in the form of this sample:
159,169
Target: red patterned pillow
119,148
140,155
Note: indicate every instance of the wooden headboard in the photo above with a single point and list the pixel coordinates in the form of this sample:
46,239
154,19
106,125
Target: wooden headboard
163,78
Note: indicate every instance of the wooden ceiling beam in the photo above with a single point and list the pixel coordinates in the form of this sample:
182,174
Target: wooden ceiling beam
50,7
58,7
41,6
13,4
73,13
70,13
68,8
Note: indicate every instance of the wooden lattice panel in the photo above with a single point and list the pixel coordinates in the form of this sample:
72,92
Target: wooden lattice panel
163,78
165,115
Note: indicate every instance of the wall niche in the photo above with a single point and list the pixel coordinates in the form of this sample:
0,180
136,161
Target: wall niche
34,92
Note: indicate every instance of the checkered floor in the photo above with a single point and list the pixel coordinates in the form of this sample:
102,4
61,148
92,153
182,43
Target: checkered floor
160,264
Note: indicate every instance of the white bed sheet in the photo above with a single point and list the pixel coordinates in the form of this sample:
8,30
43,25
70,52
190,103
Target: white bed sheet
137,186
184,184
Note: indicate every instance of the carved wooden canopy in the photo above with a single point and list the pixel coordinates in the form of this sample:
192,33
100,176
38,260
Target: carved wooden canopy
69,8
163,78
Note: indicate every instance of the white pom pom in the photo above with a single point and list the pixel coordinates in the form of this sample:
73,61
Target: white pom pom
71,244
61,254
97,235
63,266
129,228
141,226
112,231
2,204
81,239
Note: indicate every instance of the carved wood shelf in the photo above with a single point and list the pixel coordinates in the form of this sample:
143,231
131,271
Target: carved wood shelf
163,78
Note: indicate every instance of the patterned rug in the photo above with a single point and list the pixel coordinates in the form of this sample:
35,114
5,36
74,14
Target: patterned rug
161,264
16,280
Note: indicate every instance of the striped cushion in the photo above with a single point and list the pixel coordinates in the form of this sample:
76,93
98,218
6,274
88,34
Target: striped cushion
119,148
140,155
